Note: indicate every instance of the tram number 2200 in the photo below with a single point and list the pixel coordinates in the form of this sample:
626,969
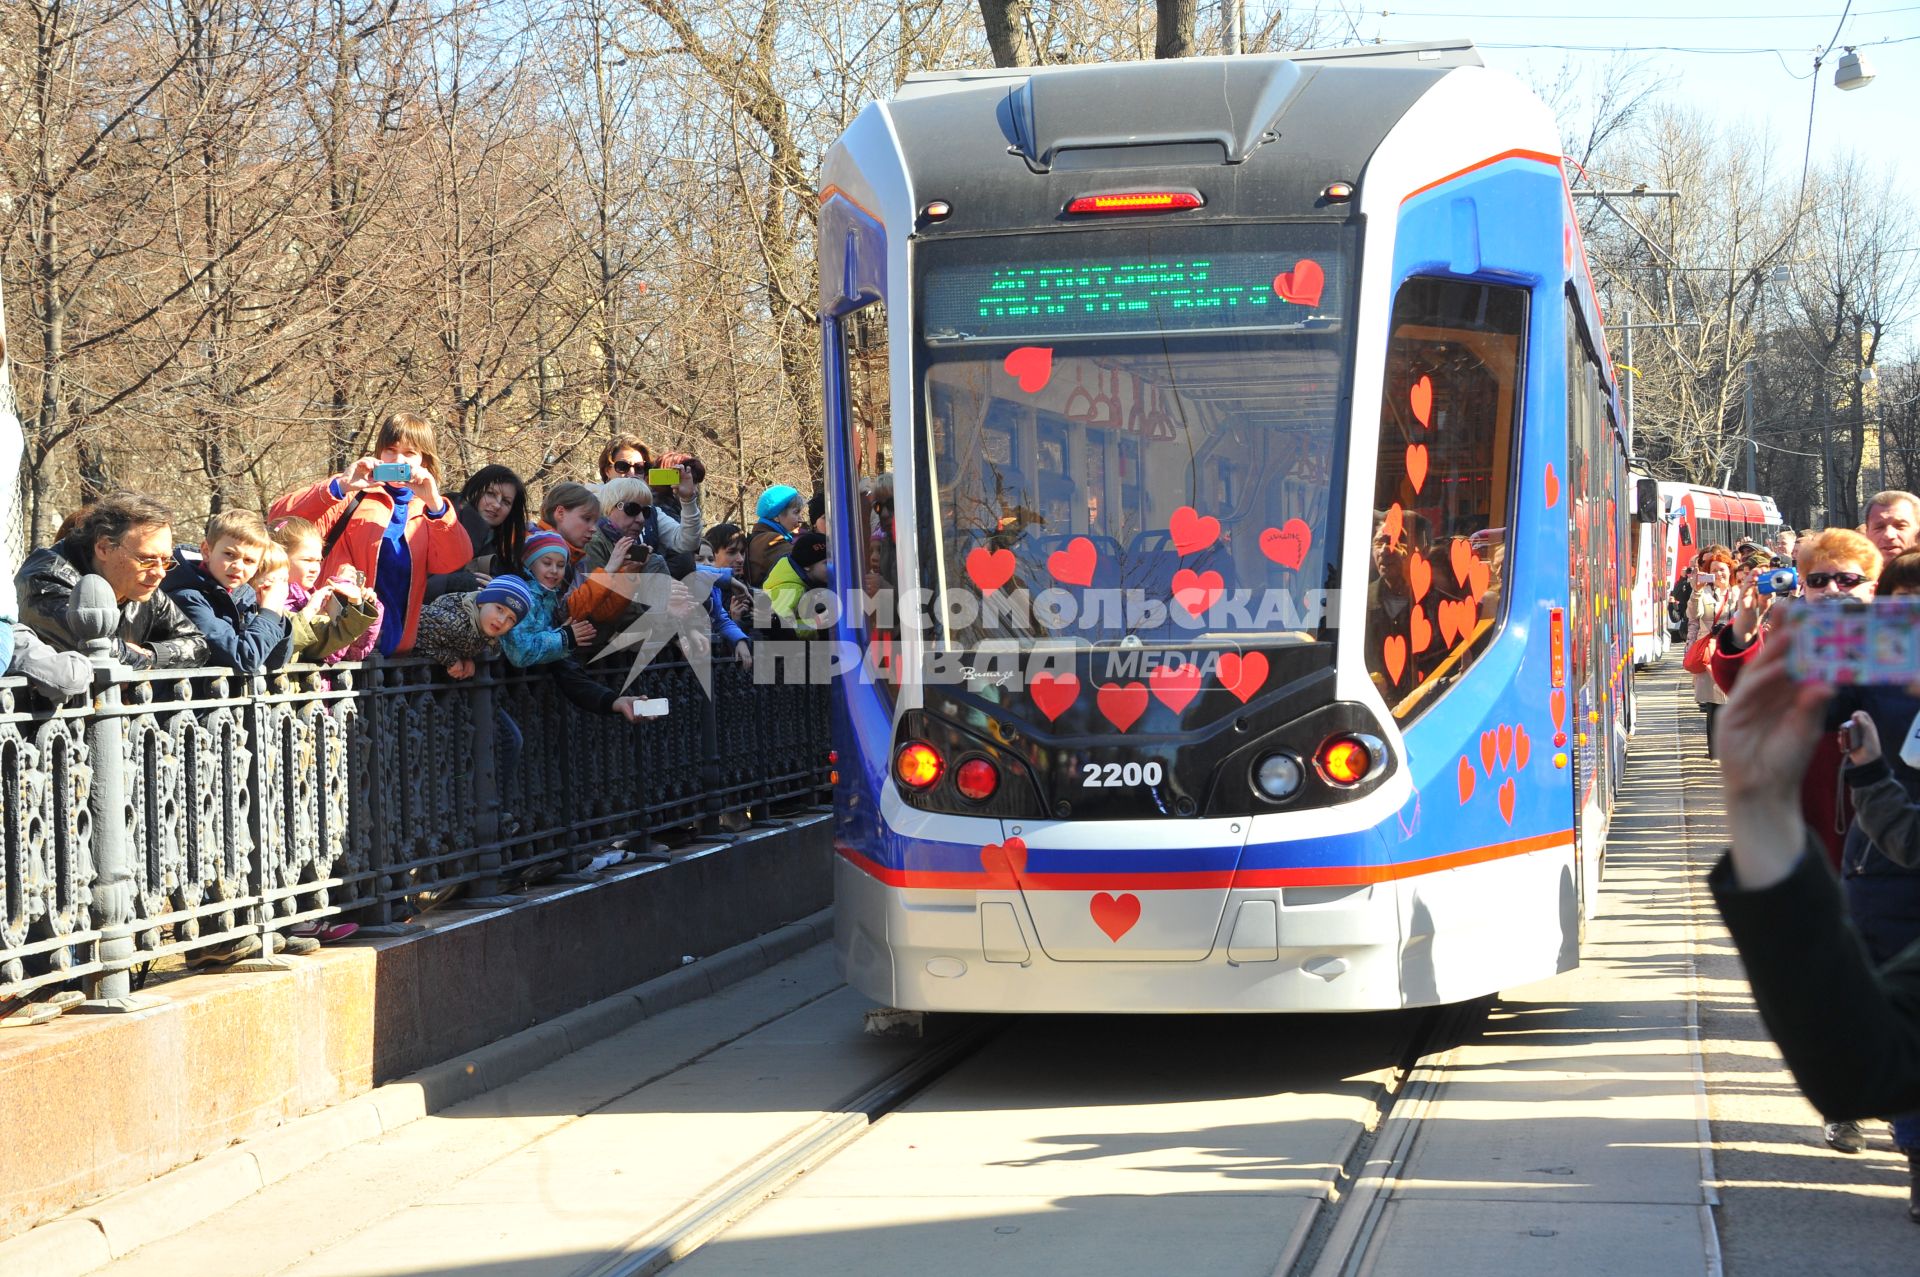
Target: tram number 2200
1118,775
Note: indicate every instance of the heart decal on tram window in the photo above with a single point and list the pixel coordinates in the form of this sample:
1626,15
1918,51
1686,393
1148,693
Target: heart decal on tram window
1460,554
1243,675
1288,544
1303,284
1393,654
990,569
1420,629
1479,580
1417,465
1054,694
1192,531
1175,685
1123,704
1115,915
1419,574
1074,565
1420,398
1195,592
1031,366
1005,861
1391,526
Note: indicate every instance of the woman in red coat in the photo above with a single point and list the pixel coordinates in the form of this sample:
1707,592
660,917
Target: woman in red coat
395,531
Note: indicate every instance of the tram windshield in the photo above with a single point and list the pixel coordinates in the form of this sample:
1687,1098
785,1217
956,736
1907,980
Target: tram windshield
1131,434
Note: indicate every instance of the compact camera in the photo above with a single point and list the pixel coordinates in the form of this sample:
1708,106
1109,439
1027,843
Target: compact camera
392,472
1777,581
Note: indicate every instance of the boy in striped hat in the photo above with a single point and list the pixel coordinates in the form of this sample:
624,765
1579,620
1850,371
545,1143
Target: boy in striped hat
461,629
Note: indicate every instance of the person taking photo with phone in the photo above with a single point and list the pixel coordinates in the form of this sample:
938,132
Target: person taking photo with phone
385,515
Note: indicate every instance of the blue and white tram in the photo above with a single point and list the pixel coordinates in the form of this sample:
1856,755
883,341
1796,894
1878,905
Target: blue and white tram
1237,438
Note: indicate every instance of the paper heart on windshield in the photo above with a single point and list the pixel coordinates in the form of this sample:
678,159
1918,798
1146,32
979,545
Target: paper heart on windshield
1175,685
1031,366
1192,531
1053,693
990,569
1074,565
1195,592
1288,544
1303,284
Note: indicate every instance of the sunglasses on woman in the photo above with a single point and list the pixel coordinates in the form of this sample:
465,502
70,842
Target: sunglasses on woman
634,509
630,467
1845,580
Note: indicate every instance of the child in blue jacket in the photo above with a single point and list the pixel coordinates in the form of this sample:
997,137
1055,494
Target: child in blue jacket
243,632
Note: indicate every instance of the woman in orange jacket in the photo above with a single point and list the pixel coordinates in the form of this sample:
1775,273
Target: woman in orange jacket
396,529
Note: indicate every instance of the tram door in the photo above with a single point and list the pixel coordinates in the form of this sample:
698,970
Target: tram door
1590,610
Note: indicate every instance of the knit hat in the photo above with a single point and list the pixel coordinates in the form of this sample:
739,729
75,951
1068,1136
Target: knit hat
809,548
775,500
509,592
545,541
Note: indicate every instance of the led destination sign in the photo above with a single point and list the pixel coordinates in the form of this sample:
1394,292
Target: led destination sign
1230,289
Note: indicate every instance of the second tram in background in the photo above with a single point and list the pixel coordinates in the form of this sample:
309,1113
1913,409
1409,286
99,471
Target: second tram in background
1251,424
1690,518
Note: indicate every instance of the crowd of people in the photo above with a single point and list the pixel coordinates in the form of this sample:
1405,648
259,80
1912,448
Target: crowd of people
1821,885
381,559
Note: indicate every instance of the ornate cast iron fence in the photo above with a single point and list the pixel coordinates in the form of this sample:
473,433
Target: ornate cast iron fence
181,809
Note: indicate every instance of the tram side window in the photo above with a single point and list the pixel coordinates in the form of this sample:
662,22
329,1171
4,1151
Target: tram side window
1438,571
869,428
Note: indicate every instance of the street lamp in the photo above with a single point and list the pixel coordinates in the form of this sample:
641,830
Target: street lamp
1853,71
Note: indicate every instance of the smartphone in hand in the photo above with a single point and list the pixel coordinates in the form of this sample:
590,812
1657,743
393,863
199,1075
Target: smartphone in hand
1856,644
663,477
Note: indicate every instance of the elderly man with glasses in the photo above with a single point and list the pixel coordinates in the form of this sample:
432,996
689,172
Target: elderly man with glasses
124,541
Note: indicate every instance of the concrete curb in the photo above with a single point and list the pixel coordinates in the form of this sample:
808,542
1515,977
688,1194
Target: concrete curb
94,1236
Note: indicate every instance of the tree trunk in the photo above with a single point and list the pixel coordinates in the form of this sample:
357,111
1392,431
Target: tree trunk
1173,31
1007,31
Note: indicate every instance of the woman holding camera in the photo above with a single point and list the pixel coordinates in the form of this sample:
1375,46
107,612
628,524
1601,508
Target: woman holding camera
385,515
1707,609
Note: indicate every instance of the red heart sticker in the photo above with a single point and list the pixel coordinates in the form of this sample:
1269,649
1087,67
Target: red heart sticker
1464,620
1393,652
1419,574
1053,693
1506,744
1479,580
1303,284
1031,366
1243,675
1288,544
1390,527
1466,780
1559,703
1175,685
1522,747
1420,629
1506,800
1005,862
990,569
1417,465
1461,555
1122,704
1195,592
1489,750
1421,398
1115,915
1074,565
1191,531
1553,487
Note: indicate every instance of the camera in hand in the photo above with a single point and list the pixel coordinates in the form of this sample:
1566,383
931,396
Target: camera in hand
392,472
1777,581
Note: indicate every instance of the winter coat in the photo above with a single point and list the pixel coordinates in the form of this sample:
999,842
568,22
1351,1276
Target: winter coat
348,635
675,540
726,630
785,587
541,636
484,562
1702,608
54,674
450,631
46,582
767,544
435,541
240,634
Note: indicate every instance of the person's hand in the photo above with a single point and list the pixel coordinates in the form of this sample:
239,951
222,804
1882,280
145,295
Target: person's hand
359,475
1766,734
462,668
272,598
1749,616
317,602
427,488
681,601
699,646
583,632
482,579
739,605
1869,738
618,558
743,653
687,490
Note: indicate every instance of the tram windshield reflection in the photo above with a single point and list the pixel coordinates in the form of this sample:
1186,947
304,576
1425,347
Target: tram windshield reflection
1127,440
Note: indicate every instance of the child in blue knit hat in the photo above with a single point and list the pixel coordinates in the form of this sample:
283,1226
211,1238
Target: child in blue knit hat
780,512
458,630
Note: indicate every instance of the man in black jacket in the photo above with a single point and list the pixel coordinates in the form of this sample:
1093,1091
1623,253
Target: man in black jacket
126,539
1849,1032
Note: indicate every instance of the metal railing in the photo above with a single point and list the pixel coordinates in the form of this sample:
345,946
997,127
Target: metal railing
177,810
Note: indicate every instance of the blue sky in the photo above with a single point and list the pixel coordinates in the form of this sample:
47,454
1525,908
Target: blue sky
1768,82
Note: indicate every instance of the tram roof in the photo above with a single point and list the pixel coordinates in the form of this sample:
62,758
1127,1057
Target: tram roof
1280,125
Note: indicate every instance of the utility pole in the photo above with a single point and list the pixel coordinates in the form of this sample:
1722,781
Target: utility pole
1633,371
1230,26
1746,421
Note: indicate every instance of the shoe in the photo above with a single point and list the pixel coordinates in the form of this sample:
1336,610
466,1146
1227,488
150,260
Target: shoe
325,932
1845,1137
234,951
298,945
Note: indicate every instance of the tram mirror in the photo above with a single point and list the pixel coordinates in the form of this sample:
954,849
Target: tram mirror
1646,501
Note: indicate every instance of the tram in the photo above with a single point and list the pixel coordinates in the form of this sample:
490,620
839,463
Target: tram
1229,521
1652,580
1694,517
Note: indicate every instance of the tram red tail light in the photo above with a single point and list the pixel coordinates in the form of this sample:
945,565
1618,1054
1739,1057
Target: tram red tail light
976,779
918,765
1138,202
1347,760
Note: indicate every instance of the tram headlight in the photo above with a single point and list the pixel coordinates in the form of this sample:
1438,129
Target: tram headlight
918,765
1347,760
976,778
1278,777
